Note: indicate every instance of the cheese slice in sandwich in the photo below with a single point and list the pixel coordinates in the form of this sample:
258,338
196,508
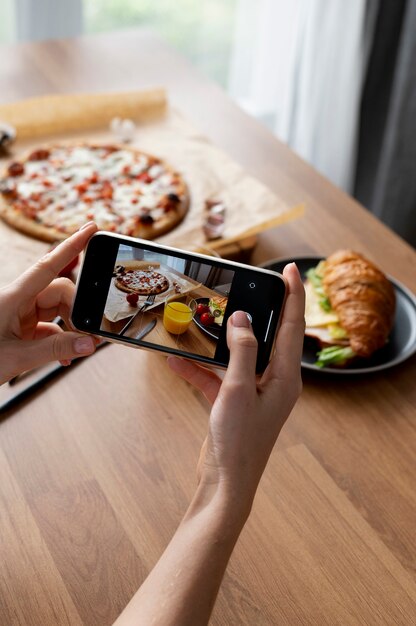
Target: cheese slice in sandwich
315,315
217,306
322,323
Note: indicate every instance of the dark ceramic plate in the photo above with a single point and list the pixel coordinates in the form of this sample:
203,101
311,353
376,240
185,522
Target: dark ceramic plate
401,343
213,330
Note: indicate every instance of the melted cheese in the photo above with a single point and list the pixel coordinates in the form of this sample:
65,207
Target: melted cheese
60,204
314,313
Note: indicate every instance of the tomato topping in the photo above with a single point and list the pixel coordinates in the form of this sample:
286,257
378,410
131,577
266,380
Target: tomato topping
202,308
106,191
109,149
81,188
28,210
145,177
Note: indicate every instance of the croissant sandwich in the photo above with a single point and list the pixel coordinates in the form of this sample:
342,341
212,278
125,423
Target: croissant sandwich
350,306
217,306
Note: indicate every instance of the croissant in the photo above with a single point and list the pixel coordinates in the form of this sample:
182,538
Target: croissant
363,299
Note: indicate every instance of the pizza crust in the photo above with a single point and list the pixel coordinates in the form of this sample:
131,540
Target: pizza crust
36,229
27,226
164,225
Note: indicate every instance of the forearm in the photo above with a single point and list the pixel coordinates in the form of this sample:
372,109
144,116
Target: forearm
182,587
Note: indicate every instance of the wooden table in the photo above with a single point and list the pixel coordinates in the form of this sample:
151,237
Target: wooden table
98,468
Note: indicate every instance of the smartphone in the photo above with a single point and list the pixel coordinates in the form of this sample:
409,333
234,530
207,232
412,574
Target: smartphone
145,295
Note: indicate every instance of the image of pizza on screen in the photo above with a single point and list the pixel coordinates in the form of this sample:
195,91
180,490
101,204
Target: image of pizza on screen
167,301
50,192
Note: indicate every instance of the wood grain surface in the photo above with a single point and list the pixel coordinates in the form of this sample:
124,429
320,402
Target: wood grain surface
97,467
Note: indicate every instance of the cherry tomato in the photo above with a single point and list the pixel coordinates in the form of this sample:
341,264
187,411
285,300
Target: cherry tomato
207,319
202,308
132,298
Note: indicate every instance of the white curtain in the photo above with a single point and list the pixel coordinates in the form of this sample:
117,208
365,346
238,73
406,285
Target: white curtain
7,21
296,64
47,19
299,66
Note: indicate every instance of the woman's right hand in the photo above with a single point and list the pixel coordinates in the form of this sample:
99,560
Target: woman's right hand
248,414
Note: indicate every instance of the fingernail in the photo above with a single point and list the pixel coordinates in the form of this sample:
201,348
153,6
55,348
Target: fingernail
83,345
240,319
292,267
86,225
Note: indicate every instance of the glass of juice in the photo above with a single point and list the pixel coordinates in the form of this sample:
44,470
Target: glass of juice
178,314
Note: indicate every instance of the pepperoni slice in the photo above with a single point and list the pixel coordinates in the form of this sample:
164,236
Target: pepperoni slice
39,155
16,169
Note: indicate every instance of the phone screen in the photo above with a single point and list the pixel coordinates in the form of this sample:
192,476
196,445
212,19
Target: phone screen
173,301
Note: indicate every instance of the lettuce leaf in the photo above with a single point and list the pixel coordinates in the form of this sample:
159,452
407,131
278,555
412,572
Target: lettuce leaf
316,280
334,355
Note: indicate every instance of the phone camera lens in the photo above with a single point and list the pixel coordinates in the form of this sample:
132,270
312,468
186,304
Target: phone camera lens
252,285
87,321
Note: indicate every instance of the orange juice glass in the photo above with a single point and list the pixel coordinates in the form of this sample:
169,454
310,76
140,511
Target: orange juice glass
178,314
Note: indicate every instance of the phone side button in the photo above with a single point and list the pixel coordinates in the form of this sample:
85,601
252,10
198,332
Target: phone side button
268,326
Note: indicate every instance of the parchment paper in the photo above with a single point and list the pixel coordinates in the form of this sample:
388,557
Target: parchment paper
117,307
163,131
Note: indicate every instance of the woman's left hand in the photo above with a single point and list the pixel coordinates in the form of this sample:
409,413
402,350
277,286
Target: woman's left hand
28,339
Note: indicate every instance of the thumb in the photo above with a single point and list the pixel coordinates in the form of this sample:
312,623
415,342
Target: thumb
243,349
57,347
